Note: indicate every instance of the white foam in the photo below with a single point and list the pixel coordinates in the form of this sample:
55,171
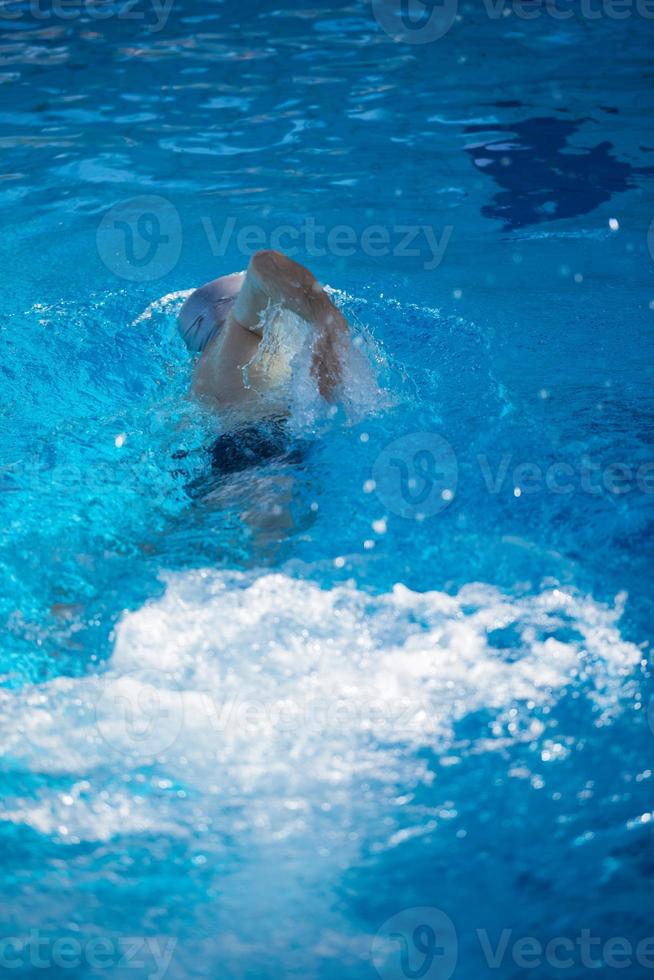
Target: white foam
170,304
271,691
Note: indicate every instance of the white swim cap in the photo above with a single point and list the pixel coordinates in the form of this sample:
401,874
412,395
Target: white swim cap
206,309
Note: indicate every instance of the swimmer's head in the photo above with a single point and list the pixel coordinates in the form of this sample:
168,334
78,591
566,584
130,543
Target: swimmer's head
206,310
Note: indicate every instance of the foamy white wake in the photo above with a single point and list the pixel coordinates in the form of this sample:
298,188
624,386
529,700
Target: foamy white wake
270,692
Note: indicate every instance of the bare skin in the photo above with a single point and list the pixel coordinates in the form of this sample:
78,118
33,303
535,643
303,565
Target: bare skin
271,279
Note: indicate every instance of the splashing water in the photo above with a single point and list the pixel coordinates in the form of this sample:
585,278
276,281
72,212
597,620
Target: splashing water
249,721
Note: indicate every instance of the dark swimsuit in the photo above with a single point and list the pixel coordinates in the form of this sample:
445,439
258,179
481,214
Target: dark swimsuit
253,444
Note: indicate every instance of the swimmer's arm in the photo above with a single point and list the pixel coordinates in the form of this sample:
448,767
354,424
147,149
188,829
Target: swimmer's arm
272,278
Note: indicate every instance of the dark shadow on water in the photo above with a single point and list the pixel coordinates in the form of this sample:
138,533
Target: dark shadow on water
542,178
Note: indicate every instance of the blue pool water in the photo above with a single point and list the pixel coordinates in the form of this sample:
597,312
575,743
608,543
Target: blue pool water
390,697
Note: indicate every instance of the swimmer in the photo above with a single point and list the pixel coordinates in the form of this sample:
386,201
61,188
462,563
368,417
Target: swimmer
223,322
